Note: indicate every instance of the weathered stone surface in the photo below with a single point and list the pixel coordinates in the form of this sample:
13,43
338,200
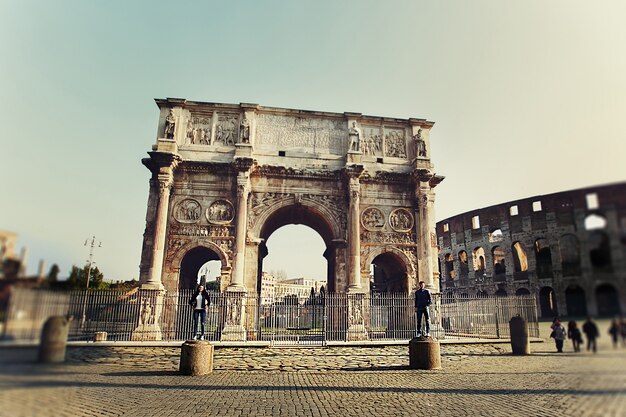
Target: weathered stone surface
53,342
196,358
424,353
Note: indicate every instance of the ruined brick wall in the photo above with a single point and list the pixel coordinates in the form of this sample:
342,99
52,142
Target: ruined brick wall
567,248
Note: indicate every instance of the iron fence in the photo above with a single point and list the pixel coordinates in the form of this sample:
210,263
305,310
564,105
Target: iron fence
142,315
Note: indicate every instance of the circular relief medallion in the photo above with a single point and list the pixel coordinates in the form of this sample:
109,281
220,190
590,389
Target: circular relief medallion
187,211
220,212
401,220
372,218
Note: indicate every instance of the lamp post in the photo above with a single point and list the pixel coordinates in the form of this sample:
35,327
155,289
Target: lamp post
90,262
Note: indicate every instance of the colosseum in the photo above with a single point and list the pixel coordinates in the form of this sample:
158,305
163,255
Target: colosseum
567,248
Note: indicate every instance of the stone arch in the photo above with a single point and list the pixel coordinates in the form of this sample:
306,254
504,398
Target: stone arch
479,260
522,291
600,251
286,211
177,258
501,293
393,254
543,258
520,261
190,261
547,302
499,265
607,299
329,216
575,301
463,264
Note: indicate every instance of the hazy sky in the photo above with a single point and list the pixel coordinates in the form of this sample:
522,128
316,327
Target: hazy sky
529,97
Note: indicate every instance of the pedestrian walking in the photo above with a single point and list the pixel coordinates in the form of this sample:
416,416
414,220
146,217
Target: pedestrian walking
573,333
422,301
615,331
591,332
623,330
558,333
199,302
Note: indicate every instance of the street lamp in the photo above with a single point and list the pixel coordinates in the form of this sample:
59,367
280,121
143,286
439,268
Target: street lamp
90,262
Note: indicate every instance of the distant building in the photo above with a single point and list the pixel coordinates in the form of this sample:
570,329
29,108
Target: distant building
268,285
297,286
567,248
273,289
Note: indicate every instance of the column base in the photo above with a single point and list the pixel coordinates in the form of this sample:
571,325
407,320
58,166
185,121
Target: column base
233,333
147,332
356,332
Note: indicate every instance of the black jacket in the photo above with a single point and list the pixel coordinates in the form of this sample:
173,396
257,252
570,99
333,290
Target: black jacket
206,301
422,298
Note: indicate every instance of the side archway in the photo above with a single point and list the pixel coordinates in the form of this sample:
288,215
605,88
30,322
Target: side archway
607,300
192,256
393,271
575,301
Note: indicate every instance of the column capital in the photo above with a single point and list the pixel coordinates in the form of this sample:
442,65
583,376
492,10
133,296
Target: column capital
244,164
161,161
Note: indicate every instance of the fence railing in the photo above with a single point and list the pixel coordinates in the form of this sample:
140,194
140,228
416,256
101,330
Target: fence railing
134,314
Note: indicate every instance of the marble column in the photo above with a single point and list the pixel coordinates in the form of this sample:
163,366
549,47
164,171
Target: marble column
243,191
354,236
160,225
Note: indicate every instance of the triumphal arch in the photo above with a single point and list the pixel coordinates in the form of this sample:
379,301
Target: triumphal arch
226,176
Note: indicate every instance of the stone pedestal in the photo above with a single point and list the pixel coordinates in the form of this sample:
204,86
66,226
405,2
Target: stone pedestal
356,318
233,330
424,353
54,340
196,358
100,337
148,327
520,344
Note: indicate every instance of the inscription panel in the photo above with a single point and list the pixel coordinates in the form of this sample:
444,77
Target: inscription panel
311,135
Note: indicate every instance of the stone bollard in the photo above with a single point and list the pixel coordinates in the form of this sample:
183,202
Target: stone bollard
424,353
54,340
100,336
519,336
196,358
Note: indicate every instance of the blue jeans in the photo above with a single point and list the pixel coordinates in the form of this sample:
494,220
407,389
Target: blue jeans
423,312
202,315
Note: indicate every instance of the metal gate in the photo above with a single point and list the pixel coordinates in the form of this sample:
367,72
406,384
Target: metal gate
293,321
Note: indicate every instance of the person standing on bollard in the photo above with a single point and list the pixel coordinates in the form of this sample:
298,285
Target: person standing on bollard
573,332
558,333
199,301
591,331
422,301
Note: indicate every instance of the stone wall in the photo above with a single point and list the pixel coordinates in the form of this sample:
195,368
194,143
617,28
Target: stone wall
567,248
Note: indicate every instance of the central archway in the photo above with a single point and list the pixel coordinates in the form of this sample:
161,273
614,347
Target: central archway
298,214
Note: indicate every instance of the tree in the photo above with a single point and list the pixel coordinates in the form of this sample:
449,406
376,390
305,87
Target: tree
78,279
53,275
212,286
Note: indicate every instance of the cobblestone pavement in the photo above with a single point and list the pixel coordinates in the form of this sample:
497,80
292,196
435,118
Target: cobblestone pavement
341,381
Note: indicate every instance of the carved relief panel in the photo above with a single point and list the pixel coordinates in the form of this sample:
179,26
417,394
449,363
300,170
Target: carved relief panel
227,129
372,218
401,220
395,142
372,141
187,211
199,130
220,212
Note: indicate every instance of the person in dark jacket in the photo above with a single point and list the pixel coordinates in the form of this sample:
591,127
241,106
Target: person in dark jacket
199,302
591,331
615,331
422,301
573,332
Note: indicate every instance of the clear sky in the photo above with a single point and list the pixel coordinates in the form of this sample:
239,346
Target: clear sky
529,97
